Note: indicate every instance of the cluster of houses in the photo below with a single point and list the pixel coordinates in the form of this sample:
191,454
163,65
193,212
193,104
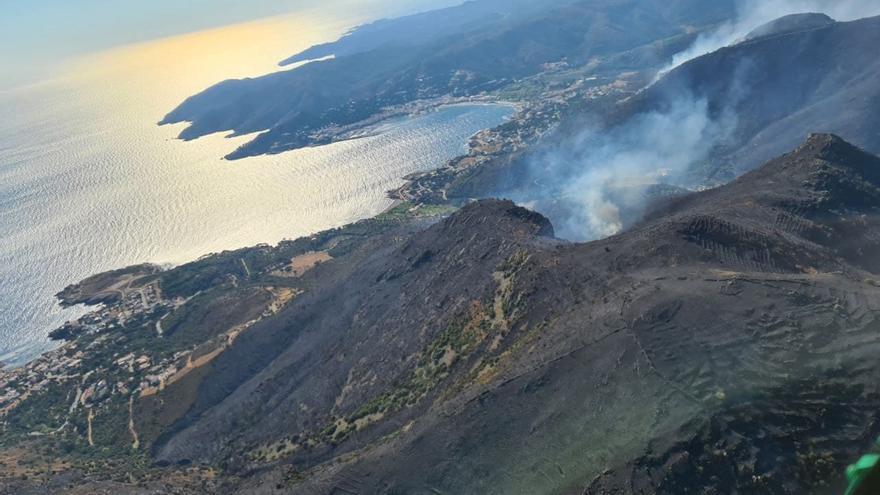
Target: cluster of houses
63,364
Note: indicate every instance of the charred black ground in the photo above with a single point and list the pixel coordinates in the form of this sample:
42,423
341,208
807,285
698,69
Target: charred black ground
726,343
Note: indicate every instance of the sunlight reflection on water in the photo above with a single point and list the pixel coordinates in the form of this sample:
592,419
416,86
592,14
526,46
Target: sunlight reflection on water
88,182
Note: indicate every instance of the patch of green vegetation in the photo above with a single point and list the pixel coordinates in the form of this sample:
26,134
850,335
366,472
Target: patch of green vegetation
458,341
116,463
244,264
406,211
53,435
40,414
530,89
212,313
110,428
514,262
218,269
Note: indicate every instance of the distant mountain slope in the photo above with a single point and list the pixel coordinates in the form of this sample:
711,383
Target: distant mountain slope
789,24
291,106
780,87
756,98
726,343
422,28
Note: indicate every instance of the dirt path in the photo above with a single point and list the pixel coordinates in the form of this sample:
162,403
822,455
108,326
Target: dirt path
90,418
135,441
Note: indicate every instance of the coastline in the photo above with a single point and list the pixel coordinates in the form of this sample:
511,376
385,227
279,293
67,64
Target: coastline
14,359
526,125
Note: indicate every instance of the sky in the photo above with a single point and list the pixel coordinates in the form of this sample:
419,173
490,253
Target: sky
36,35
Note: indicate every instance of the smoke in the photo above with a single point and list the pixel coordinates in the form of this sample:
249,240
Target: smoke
601,175
592,184
754,13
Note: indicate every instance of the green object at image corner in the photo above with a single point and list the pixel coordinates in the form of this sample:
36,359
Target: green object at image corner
864,475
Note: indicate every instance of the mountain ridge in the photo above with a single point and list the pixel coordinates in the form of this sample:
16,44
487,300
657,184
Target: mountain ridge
790,23
293,109
780,88
473,352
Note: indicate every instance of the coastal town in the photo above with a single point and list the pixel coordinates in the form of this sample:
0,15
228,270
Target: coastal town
64,363
542,104
119,354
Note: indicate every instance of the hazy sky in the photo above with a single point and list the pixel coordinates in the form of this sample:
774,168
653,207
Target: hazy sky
36,34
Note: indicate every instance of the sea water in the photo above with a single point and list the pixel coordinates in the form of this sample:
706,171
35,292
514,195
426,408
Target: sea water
89,182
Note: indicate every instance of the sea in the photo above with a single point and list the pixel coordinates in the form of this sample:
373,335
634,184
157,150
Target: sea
89,182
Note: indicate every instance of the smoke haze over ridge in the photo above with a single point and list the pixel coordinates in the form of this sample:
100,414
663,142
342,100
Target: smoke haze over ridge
600,173
612,167
755,13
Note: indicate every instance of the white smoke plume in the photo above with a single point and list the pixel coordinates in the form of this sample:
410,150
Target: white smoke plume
589,182
603,172
754,13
